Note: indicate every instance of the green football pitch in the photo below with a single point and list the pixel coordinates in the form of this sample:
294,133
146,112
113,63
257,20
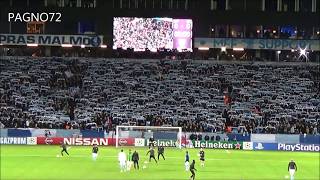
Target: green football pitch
41,163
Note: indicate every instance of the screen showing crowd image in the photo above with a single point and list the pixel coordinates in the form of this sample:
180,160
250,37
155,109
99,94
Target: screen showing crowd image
152,33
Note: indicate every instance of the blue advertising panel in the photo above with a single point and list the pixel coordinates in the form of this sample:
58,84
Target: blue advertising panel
92,134
19,133
310,139
239,137
298,147
265,146
165,135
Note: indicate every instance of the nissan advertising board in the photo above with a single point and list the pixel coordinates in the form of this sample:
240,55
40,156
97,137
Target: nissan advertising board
73,141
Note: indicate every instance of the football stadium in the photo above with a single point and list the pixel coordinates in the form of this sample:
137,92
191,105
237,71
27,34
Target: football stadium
160,89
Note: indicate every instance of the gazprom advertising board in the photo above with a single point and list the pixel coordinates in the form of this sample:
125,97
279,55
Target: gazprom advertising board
51,40
264,44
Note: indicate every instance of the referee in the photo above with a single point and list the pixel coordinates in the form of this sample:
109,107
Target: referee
292,168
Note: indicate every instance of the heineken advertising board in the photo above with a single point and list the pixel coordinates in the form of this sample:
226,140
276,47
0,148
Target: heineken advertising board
217,144
163,142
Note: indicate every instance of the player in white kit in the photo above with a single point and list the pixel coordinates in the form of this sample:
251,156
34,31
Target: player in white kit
122,161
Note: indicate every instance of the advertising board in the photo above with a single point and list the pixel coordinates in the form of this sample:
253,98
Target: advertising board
217,144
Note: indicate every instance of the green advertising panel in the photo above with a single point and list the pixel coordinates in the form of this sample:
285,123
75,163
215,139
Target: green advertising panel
217,144
163,142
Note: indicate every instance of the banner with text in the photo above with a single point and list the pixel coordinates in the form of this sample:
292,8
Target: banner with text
298,147
73,141
18,140
217,144
273,44
51,40
163,142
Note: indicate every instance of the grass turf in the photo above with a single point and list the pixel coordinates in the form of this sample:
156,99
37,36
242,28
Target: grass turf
41,162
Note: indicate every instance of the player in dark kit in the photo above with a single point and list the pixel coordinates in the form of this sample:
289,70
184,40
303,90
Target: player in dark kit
161,152
151,151
151,142
201,153
64,148
95,150
292,168
135,159
192,169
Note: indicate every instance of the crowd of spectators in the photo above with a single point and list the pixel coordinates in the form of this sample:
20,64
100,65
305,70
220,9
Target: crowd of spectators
199,96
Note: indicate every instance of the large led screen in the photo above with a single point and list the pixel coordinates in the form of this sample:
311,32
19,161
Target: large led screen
152,33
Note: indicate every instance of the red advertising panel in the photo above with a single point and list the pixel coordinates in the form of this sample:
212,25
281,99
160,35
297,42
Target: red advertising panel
86,141
73,141
121,141
53,141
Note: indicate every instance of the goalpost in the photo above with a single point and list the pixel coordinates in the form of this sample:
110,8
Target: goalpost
165,136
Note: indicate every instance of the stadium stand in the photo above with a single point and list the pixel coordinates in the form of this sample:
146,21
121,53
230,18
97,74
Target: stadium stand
200,96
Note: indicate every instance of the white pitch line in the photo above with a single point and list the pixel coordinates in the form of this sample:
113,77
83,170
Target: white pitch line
89,156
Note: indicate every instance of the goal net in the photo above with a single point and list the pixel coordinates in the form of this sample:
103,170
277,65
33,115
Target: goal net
140,136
